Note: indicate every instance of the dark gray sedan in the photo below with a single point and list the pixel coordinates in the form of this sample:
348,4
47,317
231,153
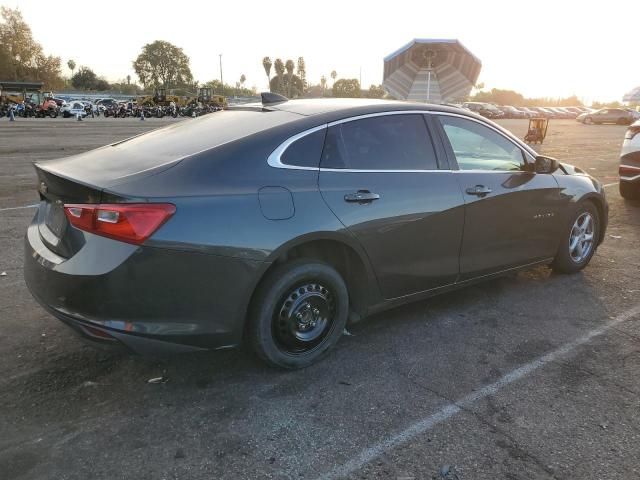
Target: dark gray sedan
276,224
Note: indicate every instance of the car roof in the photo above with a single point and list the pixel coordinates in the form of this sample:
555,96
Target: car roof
345,107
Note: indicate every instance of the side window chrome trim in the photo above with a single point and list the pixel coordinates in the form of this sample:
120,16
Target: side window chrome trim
275,161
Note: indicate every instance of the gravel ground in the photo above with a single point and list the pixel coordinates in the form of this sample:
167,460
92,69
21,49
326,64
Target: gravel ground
525,377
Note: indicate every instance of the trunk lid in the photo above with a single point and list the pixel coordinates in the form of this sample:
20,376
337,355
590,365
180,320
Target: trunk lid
55,191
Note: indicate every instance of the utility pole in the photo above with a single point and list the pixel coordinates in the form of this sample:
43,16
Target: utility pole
221,81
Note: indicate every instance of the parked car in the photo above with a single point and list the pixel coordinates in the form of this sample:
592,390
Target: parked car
73,108
544,112
532,113
630,163
561,112
512,112
607,115
107,102
574,110
275,224
487,110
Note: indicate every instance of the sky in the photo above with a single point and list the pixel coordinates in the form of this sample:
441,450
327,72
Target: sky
537,47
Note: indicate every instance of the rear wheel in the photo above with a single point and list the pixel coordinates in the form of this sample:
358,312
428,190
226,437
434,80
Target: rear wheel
630,191
622,121
299,313
579,239
588,120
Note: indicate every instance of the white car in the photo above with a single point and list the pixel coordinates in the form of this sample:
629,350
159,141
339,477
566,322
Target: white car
630,163
73,108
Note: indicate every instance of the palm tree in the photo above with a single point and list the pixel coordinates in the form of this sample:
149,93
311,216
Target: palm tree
242,80
334,74
72,66
278,66
266,63
289,66
128,79
323,83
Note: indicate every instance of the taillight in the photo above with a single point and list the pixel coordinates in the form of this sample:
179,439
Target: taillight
127,222
632,131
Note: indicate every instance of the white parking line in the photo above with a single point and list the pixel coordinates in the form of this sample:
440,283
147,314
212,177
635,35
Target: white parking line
610,184
451,409
18,208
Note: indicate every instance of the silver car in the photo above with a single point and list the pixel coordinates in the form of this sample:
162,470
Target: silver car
619,116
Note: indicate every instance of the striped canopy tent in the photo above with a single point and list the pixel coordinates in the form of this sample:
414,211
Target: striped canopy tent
431,70
632,96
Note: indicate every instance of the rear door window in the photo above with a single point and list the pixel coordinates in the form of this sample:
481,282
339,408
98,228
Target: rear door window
388,142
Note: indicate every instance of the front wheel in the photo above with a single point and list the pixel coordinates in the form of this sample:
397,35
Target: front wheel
299,313
579,239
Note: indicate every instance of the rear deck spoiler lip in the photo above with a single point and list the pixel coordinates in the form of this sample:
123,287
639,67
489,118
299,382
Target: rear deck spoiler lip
156,169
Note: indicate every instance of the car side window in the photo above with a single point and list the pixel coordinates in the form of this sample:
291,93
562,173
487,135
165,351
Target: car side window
306,151
477,147
387,142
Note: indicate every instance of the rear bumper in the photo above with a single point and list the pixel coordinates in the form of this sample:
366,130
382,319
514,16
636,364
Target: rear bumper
150,299
631,161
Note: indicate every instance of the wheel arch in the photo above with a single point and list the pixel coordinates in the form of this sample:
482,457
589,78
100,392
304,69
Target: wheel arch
340,251
598,202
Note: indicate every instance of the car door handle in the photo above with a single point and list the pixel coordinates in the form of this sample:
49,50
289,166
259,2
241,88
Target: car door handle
479,190
361,196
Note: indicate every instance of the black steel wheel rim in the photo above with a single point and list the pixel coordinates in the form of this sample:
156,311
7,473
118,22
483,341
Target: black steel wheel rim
304,317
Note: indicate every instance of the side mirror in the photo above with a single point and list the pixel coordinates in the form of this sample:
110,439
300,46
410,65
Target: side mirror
546,164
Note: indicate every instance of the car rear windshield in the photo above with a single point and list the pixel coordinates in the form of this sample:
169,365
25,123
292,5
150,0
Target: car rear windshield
195,135
107,166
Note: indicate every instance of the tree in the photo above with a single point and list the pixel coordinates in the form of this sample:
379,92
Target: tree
375,91
500,97
21,57
215,86
86,79
163,64
72,66
289,66
266,63
323,83
128,79
125,87
278,66
334,75
290,87
302,71
346,88
242,80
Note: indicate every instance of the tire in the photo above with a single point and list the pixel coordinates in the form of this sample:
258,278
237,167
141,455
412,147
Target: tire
298,314
629,190
588,121
572,260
